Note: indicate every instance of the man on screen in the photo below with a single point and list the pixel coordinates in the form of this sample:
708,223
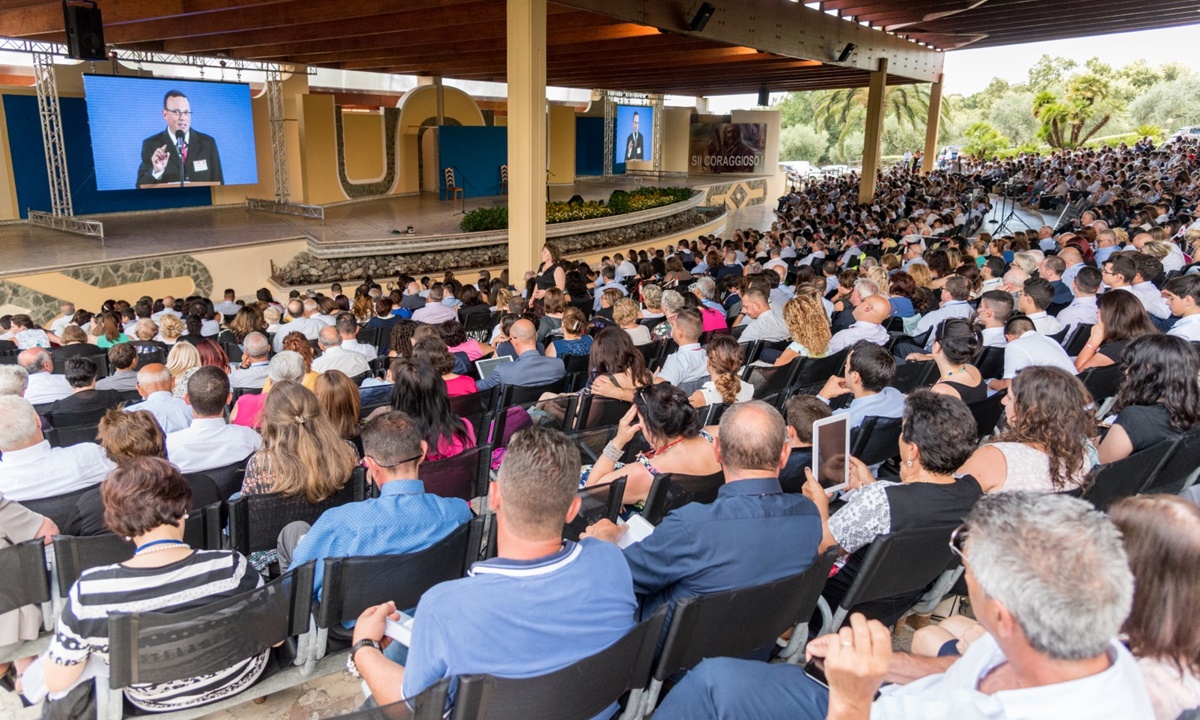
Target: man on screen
633,144
179,147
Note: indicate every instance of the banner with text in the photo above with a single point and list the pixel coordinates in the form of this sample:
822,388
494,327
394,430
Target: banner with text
718,148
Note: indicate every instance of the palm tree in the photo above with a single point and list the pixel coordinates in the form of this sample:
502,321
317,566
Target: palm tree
1065,121
845,110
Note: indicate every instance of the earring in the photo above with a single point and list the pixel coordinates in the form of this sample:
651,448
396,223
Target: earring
908,463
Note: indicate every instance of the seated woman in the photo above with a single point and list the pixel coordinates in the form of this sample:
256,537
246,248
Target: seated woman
1046,446
906,298
550,326
170,328
809,325
212,354
339,399
628,318
421,393
400,339
1158,399
182,362
937,436
287,366
247,320
106,329
147,499
676,275
1122,319
725,357
652,301
297,343
672,303
455,337
433,351
574,340
956,341
671,426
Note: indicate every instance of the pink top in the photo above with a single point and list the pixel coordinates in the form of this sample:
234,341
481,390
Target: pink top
461,385
470,347
713,319
249,410
453,446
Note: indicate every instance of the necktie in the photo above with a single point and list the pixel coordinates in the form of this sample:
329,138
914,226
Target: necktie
182,149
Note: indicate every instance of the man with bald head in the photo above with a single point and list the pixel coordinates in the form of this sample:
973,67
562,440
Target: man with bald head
155,385
1073,262
168,309
44,387
336,357
869,317
531,368
304,321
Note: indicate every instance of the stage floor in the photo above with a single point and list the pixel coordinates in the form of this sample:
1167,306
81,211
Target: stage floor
27,249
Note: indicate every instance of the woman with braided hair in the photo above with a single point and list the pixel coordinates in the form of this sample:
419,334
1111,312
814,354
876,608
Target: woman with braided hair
725,357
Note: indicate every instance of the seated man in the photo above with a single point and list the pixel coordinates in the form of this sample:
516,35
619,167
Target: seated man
1026,346
995,307
700,549
955,294
210,443
30,469
542,604
336,357
403,519
434,312
766,322
531,368
1051,651
251,373
869,316
347,328
868,373
123,359
44,386
1183,297
155,385
1082,308
1037,295
81,374
687,367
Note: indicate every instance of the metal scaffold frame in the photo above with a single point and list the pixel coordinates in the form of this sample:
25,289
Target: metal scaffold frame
279,160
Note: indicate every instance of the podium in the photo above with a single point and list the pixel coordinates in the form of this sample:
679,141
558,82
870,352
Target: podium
185,183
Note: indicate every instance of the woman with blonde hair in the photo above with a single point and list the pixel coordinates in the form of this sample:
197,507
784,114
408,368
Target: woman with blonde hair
169,329
725,358
182,362
340,400
627,316
809,325
879,276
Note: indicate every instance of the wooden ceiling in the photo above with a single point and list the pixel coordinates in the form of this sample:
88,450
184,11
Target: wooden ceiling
466,38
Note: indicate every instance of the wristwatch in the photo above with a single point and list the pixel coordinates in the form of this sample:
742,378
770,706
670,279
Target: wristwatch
350,666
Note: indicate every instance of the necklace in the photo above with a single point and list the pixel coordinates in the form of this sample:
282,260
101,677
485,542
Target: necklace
961,369
664,448
162,545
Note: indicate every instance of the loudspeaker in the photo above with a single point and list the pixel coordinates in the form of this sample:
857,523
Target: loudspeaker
85,30
850,47
764,96
703,15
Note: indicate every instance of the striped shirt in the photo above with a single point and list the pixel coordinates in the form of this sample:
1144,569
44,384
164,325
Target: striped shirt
199,579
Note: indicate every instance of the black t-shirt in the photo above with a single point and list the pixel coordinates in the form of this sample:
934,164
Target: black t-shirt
1146,425
791,477
1113,349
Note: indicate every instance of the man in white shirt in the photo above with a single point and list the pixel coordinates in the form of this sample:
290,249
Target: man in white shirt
229,305
1035,297
766,324
869,316
434,312
1082,310
44,386
688,365
624,268
67,317
1050,649
1148,268
168,309
209,442
30,469
1046,241
335,357
1027,347
607,279
995,307
251,374
155,385
303,321
868,372
1183,296
1073,261
347,328
955,294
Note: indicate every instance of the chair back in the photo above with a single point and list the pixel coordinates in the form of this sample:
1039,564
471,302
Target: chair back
815,372
987,413
1103,382
735,623
591,442
768,380
72,420
900,562
914,375
101,361
475,403
58,508
876,440
256,520
576,692
670,491
1181,468
1128,476
597,502
593,411
68,436
156,647
26,582
429,705
353,584
464,475
449,176
229,477
990,362
1077,338
478,326
369,336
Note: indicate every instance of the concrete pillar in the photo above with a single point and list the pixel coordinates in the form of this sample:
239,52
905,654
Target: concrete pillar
526,135
441,101
932,125
873,132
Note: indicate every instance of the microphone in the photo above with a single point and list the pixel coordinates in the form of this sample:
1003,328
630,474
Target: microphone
182,164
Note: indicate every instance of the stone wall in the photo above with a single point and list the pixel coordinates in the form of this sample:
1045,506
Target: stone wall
305,269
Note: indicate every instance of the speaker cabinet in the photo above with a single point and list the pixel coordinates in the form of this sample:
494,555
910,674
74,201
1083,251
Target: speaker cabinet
85,31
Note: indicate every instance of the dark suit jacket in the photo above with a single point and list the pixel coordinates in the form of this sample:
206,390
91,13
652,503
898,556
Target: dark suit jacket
634,149
529,370
201,149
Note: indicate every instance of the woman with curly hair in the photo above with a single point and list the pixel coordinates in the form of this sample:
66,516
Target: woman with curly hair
1159,398
1046,446
400,340
725,357
297,343
809,325
363,308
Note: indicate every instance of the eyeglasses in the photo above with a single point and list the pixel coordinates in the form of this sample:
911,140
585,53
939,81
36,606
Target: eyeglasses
395,464
958,541
180,113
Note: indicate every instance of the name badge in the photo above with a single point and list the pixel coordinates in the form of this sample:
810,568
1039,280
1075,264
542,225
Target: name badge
200,165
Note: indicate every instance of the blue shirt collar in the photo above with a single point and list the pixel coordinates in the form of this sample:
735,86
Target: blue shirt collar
751,486
529,568
402,487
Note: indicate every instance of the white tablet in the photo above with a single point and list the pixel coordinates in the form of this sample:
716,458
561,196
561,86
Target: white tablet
831,450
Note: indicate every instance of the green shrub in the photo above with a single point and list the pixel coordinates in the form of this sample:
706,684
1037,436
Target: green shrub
620,202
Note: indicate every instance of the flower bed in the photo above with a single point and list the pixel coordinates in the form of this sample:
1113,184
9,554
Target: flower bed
619,203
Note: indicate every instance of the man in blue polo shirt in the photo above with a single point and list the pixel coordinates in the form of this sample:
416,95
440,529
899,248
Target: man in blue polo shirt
752,534
542,605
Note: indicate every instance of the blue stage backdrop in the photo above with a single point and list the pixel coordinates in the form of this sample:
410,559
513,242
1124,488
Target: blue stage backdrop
124,111
476,153
589,145
24,140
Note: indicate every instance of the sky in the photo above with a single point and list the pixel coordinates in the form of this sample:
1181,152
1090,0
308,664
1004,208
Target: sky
969,71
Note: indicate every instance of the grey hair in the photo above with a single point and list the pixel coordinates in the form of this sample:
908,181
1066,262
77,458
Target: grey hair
256,345
1057,564
287,365
707,287
866,287
672,302
19,422
752,437
13,379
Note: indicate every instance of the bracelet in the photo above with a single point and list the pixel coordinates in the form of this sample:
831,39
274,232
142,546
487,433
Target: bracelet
1092,347
612,452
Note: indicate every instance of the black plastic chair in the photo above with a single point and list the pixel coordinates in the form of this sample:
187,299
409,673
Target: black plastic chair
815,372
524,396
990,362
1181,469
369,336
26,582
464,475
1103,382
768,380
1128,476
911,376
591,442
987,413
478,326
153,647
585,412
229,478
87,418
670,491
576,692
256,520
58,508
1077,338
68,436
598,502
876,440
101,360
735,623
430,704
483,401
711,415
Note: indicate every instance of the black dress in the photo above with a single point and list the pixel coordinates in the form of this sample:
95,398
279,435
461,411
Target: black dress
1146,425
545,277
969,394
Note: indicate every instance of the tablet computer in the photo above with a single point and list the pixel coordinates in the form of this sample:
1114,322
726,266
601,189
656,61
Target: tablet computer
487,365
831,451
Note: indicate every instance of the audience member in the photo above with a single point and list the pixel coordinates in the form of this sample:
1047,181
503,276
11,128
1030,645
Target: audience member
995,307
1033,300
251,373
808,326
336,357
154,385
724,356
339,399
297,343
182,362
434,312
347,329
1028,348
209,443
766,324
1183,297
81,374
955,343
802,411
1082,310
687,367
530,369
1121,321
421,394
287,366
122,361
1159,396
867,376
43,386
30,469
74,344
869,316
